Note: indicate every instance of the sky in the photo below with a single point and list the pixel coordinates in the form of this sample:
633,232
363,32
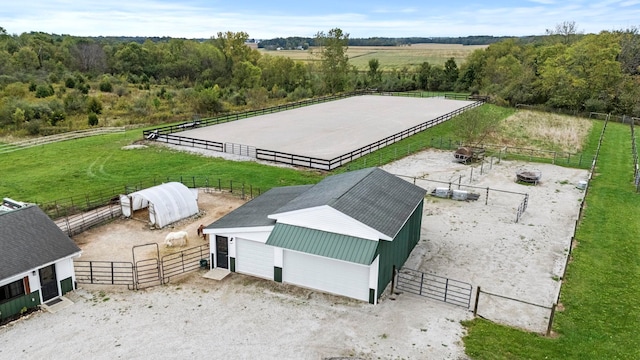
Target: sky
269,19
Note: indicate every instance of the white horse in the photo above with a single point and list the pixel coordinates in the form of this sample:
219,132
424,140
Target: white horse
178,238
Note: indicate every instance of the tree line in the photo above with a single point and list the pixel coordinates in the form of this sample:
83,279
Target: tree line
565,70
296,42
49,80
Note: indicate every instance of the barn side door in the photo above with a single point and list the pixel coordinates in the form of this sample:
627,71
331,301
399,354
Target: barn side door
48,282
222,252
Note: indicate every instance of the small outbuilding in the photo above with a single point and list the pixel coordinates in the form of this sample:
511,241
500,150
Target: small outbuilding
343,235
36,260
167,203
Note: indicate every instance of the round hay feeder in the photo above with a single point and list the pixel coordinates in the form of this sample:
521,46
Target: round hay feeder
529,176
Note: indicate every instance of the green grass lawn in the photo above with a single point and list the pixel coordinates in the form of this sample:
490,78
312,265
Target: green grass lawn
602,285
83,166
442,136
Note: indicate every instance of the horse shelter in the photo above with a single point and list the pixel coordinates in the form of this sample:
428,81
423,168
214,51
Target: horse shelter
167,203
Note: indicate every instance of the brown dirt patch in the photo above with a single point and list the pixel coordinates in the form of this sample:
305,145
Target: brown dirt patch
114,241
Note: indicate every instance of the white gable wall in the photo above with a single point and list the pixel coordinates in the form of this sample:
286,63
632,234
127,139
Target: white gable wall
326,218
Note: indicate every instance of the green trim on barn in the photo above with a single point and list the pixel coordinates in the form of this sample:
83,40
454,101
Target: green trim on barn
397,251
331,245
15,306
66,285
277,274
232,264
372,296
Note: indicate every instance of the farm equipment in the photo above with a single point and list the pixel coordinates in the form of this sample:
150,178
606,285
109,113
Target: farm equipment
466,154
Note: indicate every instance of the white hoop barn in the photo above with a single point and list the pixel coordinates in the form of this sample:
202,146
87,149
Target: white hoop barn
167,203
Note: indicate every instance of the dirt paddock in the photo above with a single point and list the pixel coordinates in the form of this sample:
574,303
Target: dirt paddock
114,241
242,317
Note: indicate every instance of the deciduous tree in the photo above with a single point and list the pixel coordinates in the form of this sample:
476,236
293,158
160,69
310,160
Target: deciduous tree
334,62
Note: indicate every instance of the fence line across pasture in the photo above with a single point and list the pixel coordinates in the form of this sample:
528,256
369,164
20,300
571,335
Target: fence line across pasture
634,151
75,214
522,207
510,301
28,143
500,152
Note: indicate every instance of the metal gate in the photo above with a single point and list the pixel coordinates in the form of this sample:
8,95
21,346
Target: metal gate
434,287
184,261
104,272
147,271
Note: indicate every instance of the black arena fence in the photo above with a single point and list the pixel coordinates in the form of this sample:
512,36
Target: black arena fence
161,133
323,164
165,134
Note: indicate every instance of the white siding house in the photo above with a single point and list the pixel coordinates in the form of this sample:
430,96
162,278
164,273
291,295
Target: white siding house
36,262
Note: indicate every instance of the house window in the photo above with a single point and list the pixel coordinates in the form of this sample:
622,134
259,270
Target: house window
11,290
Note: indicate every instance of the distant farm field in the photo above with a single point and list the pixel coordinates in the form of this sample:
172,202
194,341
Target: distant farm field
392,57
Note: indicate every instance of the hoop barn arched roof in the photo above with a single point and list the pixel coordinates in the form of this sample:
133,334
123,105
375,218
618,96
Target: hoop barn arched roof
167,203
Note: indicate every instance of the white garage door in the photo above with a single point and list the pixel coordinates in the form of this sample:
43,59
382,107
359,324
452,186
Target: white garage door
254,258
328,275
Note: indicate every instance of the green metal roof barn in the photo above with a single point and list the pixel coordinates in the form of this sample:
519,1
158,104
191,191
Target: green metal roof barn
343,235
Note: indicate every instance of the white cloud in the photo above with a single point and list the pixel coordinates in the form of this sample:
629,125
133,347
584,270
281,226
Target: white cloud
152,18
409,10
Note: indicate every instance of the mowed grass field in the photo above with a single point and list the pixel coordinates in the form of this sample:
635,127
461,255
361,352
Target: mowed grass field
391,57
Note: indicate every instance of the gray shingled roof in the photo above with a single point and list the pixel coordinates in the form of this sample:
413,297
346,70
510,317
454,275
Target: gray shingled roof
256,211
29,239
372,196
